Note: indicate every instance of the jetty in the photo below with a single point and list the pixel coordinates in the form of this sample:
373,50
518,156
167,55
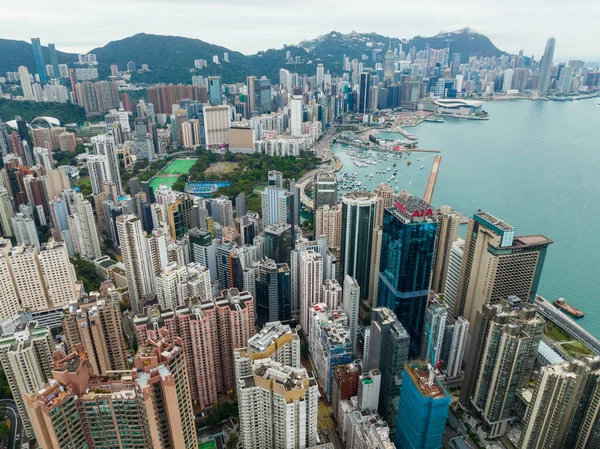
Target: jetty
428,196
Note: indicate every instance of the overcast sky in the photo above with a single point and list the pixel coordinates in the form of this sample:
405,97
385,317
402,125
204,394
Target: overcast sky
250,26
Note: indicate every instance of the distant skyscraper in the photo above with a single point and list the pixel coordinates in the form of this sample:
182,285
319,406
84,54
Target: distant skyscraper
407,250
296,116
546,67
25,230
26,83
273,295
388,352
320,75
38,55
423,409
502,352
358,215
214,91
363,94
54,60
496,264
388,63
448,224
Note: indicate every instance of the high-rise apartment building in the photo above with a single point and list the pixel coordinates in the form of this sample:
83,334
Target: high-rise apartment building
363,94
95,323
6,213
407,250
448,224
217,120
423,408
434,332
389,345
137,261
499,362
104,144
277,205
497,264
331,294
58,273
311,279
453,275
83,229
278,406
367,429
26,84
351,305
563,394
358,216
385,197
328,343
275,341
26,357
25,230
455,346
328,222
296,118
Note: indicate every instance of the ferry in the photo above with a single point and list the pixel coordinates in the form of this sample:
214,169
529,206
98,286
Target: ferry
563,305
408,162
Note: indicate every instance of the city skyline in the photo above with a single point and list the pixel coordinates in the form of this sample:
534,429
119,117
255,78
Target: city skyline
509,32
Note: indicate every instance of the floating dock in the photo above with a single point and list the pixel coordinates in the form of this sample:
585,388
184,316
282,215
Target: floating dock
428,196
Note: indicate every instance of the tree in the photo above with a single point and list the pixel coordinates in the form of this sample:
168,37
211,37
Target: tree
86,271
4,430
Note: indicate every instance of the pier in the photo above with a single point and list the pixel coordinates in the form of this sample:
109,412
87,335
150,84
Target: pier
428,196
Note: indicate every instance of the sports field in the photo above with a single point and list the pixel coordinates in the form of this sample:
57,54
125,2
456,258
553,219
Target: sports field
171,172
178,167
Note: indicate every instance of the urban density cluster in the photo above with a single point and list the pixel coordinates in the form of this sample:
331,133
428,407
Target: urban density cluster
133,313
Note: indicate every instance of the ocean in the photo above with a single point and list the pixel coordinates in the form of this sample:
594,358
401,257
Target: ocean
535,165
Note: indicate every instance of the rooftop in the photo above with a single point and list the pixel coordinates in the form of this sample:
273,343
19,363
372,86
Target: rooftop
494,221
268,334
290,378
419,375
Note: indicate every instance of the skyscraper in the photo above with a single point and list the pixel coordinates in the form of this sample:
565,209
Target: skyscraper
278,242
325,189
38,55
423,409
26,83
104,144
214,90
320,75
278,406
358,215
448,224
556,400
496,264
505,340
273,294
363,94
277,205
407,250
388,63
26,358
389,345
25,230
351,305
328,222
95,323
54,60
311,279
137,261
296,118
453,275
546,67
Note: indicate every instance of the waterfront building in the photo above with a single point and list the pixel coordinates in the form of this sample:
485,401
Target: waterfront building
407,251
278,406
423,408
500,359
448,224
358,215
497,264
546,67
389,345
385,197
453,275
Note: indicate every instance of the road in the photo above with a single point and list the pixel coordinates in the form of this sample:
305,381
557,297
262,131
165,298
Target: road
16,426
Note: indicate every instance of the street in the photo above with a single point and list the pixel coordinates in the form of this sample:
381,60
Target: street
16,426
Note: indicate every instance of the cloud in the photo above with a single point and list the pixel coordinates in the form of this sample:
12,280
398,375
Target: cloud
261,24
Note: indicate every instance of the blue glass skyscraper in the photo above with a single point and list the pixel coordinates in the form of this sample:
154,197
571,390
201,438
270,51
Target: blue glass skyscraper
39,59
54,60
215,97
407,250
422,411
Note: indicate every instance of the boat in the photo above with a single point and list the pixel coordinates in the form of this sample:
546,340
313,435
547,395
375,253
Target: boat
563,305
408,162
422,166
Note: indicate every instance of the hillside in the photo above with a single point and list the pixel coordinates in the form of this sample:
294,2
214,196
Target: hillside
170,58
17,53
28,110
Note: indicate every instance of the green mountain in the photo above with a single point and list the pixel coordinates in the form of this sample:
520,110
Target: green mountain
17,53
171,58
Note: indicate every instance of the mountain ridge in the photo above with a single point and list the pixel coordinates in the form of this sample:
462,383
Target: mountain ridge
171,58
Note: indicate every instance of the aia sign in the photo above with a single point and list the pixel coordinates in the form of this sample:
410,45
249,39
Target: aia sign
416,213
